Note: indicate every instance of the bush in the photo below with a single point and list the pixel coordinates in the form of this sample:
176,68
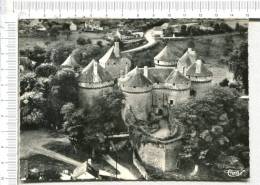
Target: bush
27,82
81,41
45,70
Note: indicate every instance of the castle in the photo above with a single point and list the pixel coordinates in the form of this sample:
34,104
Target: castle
173,80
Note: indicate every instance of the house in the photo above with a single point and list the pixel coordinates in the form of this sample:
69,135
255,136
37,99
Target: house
93,25
73,27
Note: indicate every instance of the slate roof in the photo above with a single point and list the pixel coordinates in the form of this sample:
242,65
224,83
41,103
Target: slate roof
168,55
155,75
204,71
110,57
176,78
88,76
137,79
70,62
188,58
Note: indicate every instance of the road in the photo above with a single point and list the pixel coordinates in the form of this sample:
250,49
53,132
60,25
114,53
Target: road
151,41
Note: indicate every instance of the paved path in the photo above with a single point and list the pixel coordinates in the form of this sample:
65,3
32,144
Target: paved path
57,156
150,39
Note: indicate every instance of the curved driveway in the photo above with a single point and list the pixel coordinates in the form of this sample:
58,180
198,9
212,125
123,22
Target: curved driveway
150,39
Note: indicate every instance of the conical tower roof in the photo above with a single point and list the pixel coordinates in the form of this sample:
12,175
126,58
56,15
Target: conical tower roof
198,69
167,55
188,58
70,62
137,79
176,78
94,73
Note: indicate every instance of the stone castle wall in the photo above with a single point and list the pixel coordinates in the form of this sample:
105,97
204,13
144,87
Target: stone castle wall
88,95
152,155
201,88
140,103
162,156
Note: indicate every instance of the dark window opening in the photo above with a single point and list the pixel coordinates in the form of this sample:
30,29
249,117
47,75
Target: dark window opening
160,111
193,92
171,102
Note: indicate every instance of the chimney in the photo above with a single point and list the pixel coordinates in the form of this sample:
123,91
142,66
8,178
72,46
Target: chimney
198,66
146,71
189,50
116,49
90,161
126,69
95,72
193,56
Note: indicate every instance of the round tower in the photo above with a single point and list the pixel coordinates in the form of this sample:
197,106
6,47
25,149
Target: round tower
94,82
200,77
167,57
178,88
138,94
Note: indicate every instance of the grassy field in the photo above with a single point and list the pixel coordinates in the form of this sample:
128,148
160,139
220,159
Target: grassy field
25,42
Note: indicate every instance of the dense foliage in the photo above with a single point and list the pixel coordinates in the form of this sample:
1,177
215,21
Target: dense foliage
217,129
238,61
87,128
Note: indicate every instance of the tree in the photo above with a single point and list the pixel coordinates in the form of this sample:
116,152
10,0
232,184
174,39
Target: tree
88,127
214,125
183,30
228,46
64,85
54,31
238,62
81,41
84,55
33,106
27,82
100,43
37,54
45,70
216,28
63,89
59,52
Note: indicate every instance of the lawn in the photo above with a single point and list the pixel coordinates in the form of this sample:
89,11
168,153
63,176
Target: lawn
25,42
